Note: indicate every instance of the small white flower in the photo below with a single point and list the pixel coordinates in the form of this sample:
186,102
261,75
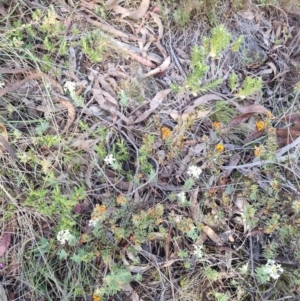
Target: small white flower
2,84
93,222
63,236
110,160
273,269
70,87
181,197
194,171
198,251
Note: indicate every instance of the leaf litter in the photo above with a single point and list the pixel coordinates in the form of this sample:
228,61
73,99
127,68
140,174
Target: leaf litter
143,40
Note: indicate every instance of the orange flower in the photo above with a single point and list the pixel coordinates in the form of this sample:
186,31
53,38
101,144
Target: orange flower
96,298
220,147
260,125
217,125
121,200
258,150
165,132
269,115
100,209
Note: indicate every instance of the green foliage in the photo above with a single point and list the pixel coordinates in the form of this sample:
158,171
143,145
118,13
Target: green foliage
82,256
124,99
212,47
93,45
120,150
199,68
51,202
250,215
51,174
220,296
50,25
146,221
114,281
233,81
250,86
211,274
183,254
188,184
181,16
237,44
223,112
262,274
219,41
145,152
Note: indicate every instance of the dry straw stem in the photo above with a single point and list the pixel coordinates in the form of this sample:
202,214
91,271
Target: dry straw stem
279,157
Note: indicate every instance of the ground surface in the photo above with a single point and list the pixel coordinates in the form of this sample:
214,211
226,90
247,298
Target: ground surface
149,150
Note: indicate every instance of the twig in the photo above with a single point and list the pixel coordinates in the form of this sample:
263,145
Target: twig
285,149
260,163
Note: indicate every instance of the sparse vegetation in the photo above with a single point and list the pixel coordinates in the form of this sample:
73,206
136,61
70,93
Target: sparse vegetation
143,156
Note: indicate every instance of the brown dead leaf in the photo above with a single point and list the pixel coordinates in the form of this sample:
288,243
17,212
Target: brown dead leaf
72,60
109,108
163,67
138,269
241,203
88,5
144,61
137,14
265,71
196,115
200,101
286,70
234,160
293,118
237,121
3,131
105,98
157,20
82,144
168,263
191,109
6,238
110,29
154,104
273,67
253,136
212,234
141,11
14,71
246,14
194,207
251,108
107,87
88,176
4,144
286,136
71,112
131,293
16,85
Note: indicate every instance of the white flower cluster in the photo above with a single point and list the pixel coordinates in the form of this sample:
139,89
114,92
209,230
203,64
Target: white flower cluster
94,222
64,236
70,87
110,160
194,171
198,251
273,269
181,197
